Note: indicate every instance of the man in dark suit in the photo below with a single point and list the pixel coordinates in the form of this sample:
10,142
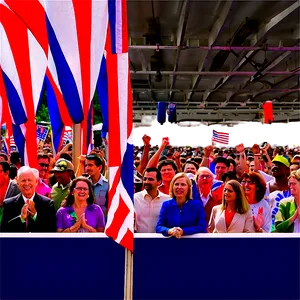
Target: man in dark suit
28,211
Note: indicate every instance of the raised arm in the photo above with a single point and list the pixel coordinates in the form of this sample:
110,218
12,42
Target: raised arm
207,151
155,158
145,154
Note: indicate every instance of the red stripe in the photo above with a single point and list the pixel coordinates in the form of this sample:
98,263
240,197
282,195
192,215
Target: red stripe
83,16
18,39
127,240
113,107
32,13
129,107
119,217
124,27
64,113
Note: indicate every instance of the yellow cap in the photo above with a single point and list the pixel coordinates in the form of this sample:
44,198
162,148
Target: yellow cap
281,159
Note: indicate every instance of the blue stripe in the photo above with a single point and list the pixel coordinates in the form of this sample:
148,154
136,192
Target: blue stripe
20,141
65,77
127,169
14,102
112,21
102,89
54,114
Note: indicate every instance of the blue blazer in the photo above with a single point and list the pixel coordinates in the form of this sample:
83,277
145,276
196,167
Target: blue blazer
191,218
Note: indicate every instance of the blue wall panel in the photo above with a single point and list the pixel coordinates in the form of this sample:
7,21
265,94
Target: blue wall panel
191,268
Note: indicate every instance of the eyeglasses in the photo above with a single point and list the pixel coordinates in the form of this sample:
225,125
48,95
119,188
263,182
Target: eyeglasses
81,189
205,176
247,181
44,165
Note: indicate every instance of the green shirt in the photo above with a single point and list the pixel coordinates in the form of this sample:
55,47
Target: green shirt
287,208
58,194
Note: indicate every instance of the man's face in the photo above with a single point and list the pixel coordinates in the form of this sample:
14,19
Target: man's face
43,165
167,173
205,180
221,169
150,182
2,159
91,168
62,177
278,169
27,184
3,175
251,166
190,168
294,167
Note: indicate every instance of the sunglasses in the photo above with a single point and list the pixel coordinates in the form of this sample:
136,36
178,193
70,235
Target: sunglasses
44,165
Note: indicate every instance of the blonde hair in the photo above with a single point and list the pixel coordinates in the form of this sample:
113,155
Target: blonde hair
189,183
295,174
241,205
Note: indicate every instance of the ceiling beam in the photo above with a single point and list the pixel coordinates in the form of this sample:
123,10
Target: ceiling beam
184,13
259,38
213,36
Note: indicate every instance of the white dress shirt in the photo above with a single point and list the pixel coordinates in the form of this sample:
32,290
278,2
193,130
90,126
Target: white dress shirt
147,210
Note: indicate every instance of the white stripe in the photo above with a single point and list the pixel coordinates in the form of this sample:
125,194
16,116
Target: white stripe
123,99
62,18
8,65
38,65
52,69
115,202
119,28
99,29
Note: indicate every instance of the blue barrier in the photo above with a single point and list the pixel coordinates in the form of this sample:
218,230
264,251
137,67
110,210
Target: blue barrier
209,267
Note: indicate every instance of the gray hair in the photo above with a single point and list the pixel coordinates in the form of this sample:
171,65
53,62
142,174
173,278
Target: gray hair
26,169
201,169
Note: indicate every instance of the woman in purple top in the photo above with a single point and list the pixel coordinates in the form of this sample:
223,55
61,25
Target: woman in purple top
78,212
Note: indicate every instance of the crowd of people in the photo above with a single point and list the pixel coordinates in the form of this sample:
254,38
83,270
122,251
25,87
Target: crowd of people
184,190
178,190
54,197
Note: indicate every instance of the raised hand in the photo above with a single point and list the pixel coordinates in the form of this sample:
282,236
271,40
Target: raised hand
207,150
146,139
240,148
255,149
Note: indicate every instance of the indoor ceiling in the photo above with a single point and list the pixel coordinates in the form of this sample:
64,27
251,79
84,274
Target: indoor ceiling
219,61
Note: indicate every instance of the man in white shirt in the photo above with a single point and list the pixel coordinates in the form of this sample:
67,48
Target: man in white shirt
148,202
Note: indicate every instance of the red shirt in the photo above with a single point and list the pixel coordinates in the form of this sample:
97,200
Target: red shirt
228,217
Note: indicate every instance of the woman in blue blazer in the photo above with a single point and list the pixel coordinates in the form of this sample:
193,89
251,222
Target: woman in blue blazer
181,215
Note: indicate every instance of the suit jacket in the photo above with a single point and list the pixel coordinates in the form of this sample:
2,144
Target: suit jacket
240,222
12,190
190,217
45,220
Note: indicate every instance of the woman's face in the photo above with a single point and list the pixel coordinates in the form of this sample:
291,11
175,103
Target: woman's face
249,187
229,193
81,191
294,186
180,188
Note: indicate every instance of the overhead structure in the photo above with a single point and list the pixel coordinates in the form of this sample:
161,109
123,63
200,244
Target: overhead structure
218,61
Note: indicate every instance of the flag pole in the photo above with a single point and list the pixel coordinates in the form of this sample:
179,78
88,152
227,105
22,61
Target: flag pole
128,280
76,145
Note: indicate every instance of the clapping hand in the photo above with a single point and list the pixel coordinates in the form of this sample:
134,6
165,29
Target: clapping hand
259,219
78,224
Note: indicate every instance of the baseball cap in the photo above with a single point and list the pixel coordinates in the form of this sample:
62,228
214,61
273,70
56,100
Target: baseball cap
281,159
295,157
63,165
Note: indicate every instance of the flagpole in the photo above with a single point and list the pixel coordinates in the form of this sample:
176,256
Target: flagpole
128,280
76,145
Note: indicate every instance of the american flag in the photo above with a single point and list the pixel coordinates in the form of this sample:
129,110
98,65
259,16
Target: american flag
220,137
